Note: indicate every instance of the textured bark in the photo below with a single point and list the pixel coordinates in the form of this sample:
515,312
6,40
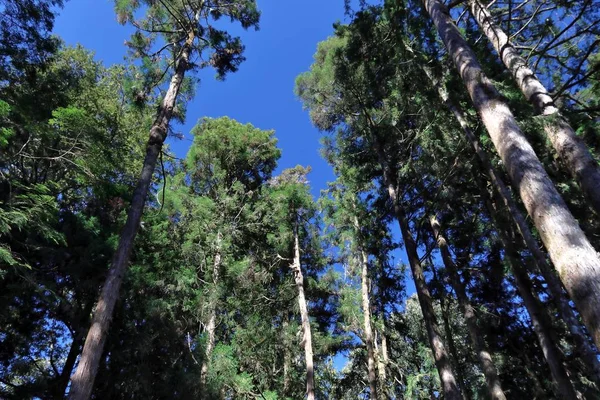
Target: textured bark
436,342
575,259
287,359
485,358
82,381
366,305
540,320
460,373
569,147
212,319
65,374
306,333
586,350
541,326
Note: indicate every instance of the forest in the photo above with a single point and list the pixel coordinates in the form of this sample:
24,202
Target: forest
454,256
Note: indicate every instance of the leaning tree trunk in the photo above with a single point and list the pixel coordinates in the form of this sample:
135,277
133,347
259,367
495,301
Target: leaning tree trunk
212,319
82,381
485,358
306,333
436,342
577,262
584,347
366,305
539,318
569,147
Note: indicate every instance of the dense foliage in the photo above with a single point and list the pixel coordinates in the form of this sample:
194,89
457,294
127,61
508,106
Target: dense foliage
419,273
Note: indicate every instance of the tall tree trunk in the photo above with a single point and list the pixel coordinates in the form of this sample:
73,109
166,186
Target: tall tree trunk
584,347
79,335
577,262
212,318
366,305
445,309
306,333
569,147
82,381
485,358
287,359
539,319
436,342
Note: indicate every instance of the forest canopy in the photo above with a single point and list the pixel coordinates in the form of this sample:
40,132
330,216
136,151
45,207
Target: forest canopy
454,254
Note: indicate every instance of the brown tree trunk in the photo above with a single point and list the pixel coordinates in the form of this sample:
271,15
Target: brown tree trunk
306,333
569,147
445,309
584,347
539,318
436,342
485,358
212,319
577,262
366,305
78,336
82,382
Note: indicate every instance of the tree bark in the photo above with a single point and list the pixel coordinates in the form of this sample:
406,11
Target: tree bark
539,319
366,305
436,342
212,320
577,262
306,333
485,358
569,147
82,382
584,347
460,373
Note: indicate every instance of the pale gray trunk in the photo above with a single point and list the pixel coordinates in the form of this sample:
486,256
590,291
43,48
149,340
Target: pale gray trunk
436,342
212,318
287,359
569,147
306,333
485,358
577,262
366,305
584,347
367,326
540,320
82,382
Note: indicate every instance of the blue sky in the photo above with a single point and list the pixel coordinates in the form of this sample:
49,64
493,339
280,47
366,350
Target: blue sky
260,93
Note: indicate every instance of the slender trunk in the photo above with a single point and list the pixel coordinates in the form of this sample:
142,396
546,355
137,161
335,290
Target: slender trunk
485,358
445,309
306,333
287,359
367,326
539,319
366,305
569,147
540,393
382,360
577,262
541,326
82,381
436,342
584,347
65,375
212,319
79,335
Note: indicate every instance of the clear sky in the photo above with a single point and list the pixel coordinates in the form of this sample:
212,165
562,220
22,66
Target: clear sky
260,93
